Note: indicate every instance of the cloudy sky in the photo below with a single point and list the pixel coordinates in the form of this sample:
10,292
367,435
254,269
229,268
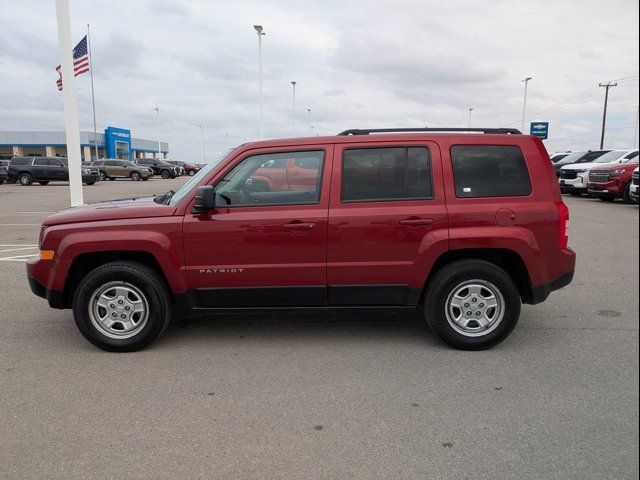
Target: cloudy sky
356,64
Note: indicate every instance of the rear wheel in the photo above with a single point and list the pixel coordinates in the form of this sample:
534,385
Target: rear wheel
44,183
472,304
135,176
121,306
25,179
165,174
103,176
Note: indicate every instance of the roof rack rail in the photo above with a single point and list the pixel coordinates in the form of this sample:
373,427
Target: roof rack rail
367,131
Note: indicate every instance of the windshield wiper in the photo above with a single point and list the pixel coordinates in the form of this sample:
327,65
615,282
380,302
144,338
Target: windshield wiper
165,198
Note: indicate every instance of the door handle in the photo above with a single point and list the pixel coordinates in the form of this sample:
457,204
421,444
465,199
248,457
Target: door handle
416,222
298,226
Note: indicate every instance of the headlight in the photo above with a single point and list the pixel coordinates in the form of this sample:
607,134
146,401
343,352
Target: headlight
620,171
86,170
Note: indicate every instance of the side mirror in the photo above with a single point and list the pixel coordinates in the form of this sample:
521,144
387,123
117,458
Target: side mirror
205,200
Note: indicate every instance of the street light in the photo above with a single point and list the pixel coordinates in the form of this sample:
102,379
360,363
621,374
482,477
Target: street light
470,110
309,121
202,148
259,31
524,104
293,84
157,109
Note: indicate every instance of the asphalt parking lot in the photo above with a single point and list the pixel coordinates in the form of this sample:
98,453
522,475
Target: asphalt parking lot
316,396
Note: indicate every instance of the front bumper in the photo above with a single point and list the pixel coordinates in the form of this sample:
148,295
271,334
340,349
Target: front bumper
54,297
609,189
41,275
633,192
575,184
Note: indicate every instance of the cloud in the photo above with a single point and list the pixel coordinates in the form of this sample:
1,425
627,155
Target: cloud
356,64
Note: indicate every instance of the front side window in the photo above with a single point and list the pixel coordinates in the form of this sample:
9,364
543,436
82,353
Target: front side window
55,163
386,174
40,162
489,171
255,181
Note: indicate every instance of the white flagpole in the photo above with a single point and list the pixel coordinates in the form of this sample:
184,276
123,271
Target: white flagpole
93,98
72,129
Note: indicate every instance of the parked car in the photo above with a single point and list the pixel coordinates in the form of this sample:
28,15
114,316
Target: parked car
574,178
578,157
4,171
112,169
43,170
633,190
389,221
187,168
159,167
609,182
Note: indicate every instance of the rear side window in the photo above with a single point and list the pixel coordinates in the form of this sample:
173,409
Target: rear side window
489,171
41,162
631,156
21,161
386,174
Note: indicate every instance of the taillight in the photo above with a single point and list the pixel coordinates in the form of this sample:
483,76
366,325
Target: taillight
563,234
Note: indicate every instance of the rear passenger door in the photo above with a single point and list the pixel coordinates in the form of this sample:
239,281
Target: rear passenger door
387,222
56,170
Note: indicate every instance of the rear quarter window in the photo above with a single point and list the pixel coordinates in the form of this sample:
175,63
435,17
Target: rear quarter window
21,161
489,171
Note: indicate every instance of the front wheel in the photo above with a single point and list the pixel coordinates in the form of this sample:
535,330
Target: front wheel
44,183
192,173
121,306
165,174
90,183
103,176
626,194
606,198
135,176
472,304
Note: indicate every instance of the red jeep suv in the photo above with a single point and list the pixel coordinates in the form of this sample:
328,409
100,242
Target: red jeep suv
463,224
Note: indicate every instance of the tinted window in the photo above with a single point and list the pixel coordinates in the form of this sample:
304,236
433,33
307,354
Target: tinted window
591,156
378,174
55,163
489,171
632,155
250,183
21,161
40,162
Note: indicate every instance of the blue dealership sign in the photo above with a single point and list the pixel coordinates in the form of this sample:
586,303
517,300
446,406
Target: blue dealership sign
540,129
118,143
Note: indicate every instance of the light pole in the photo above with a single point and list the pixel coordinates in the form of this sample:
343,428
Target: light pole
293,85
259,31
157,109
309,121
524,104
470,110
202,148
635,130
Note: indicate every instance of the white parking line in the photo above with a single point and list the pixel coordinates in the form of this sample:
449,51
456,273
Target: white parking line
16,245
14,249
17,258
20,224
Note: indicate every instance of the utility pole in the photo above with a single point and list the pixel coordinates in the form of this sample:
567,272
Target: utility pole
606,86
202,146
309,120
635,130
470,110
157,109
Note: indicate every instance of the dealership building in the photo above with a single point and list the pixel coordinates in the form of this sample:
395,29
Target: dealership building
113,143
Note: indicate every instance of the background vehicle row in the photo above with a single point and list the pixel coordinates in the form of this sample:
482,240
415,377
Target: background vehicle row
43,170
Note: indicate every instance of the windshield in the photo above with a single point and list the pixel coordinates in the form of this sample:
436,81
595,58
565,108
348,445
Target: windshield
609,157
571,158
197,178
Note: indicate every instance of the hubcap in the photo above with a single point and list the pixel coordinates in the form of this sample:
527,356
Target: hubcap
475,308
118,310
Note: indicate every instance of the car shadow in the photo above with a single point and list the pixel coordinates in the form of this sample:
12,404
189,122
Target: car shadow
300,327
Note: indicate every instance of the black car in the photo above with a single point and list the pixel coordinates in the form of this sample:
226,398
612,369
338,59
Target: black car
160,167
43,170
4,171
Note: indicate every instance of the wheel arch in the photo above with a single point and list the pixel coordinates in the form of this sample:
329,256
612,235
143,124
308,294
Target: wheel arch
506,259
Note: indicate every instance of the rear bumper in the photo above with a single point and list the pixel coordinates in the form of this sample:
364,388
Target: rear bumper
540,293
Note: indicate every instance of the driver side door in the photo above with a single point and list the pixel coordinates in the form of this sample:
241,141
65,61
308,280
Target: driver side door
261,247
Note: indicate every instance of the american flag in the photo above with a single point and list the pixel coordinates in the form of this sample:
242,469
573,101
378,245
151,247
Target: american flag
80,61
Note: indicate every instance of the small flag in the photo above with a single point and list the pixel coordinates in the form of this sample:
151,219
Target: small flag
80,61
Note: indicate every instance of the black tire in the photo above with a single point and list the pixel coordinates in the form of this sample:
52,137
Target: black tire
606,198
144,179
143,278
90,183
135,176
626,194
447,280
44,182
165,174
25,179
575,194
192,173
103,176
112,178
1,181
